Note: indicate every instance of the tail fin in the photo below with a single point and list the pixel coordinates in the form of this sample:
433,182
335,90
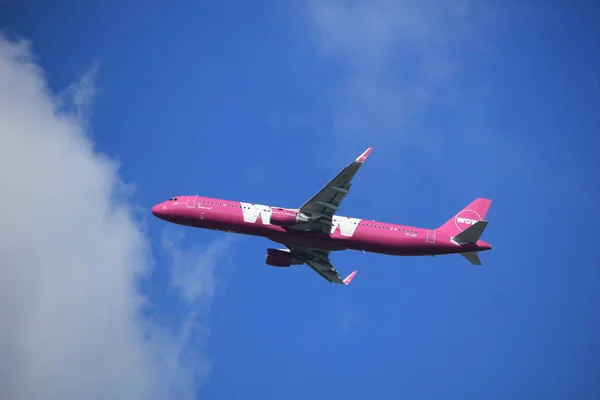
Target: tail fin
468,216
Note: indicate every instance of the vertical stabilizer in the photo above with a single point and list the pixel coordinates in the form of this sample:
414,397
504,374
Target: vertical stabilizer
467,217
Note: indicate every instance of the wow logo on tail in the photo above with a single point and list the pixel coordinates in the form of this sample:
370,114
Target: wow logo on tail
466,218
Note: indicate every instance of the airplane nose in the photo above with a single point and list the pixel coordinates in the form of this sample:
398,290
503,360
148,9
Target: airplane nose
158,210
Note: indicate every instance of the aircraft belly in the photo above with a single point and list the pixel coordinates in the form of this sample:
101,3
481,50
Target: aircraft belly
392,244
366,240
307,241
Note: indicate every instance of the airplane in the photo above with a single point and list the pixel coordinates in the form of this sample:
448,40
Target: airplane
310,233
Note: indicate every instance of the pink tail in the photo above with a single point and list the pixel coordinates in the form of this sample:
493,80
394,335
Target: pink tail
476,211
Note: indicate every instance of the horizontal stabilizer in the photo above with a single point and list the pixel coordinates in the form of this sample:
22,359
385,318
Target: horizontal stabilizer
471,234
472,257
349,278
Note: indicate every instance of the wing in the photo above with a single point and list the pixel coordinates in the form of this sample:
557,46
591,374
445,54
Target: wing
321,207
319,261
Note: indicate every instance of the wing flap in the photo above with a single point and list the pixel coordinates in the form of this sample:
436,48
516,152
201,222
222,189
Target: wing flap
321,207
318,261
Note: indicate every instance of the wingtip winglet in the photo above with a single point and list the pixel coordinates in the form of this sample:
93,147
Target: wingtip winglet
349,278
364,155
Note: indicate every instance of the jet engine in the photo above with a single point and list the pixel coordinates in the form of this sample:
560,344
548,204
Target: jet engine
280,258
283,217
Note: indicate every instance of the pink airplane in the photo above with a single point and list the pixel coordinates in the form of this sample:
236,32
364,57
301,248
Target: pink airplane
310,233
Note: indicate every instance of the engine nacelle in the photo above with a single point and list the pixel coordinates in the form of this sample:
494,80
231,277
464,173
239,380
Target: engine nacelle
280,258
283,217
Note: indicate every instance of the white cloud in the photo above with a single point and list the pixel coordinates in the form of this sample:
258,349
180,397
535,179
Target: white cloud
193,276
77,98
409,78
393,56
193,269
71,252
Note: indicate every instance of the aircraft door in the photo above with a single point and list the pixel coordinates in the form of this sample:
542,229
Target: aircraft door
430,236
191,201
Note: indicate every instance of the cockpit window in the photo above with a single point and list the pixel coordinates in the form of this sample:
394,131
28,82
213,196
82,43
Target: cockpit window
173,199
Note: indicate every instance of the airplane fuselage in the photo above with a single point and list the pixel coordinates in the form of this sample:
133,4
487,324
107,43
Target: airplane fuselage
346,233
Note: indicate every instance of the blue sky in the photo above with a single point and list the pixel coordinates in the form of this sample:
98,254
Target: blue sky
266,102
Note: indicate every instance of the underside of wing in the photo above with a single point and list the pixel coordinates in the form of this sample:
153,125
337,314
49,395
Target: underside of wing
324,204
319,261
